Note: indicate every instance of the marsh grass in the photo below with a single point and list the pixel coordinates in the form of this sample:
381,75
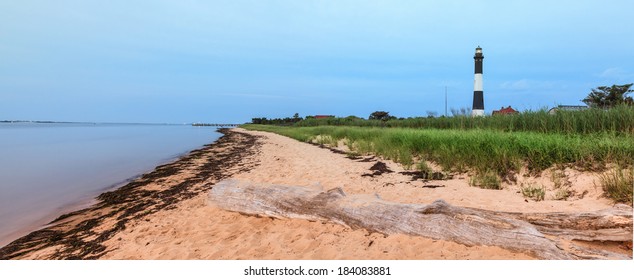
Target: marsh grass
618,184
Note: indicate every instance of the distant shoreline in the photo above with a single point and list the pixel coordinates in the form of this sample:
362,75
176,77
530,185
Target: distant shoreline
106,123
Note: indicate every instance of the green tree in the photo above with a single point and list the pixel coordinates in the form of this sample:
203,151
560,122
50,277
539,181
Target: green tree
607,97
381,115
296,118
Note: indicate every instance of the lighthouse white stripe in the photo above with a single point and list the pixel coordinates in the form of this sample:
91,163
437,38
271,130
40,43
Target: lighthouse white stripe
477,84
477,113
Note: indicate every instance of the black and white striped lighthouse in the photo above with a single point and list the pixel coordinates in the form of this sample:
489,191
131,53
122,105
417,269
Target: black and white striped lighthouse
478,93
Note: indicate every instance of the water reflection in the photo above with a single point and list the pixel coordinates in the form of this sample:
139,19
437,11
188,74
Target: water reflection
47,168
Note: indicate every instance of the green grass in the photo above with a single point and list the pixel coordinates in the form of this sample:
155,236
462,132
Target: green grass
619,120
492,147
618,184
476,150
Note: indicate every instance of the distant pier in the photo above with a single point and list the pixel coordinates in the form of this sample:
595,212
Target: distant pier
216,124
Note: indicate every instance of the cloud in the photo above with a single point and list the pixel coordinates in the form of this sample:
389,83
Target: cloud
616,73
522,84
267,96
525,84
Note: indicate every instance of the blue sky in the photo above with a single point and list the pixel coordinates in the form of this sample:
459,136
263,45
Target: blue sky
228,61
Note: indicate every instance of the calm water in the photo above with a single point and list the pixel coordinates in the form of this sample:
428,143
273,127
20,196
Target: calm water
48,169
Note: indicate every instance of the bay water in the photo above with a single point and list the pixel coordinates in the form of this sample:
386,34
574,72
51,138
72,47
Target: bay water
47,169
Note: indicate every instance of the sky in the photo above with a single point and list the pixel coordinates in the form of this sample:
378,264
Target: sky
229,61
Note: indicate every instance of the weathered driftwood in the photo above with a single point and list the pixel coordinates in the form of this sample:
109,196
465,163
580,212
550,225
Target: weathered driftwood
514,231
612,224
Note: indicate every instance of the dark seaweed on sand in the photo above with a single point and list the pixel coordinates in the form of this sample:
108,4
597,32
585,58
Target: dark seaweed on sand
379,168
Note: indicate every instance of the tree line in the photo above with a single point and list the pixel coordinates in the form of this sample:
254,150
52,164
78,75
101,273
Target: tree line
603,97
278,121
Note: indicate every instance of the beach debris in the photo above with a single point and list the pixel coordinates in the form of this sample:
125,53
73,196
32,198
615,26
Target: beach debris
537,234
432,186
424,175
334,150
379,168
368,159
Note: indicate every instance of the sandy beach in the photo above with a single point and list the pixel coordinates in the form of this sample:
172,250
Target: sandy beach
166,214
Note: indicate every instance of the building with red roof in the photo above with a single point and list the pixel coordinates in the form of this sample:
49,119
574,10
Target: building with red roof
505,111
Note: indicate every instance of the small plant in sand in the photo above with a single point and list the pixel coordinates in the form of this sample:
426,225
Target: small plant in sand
618,184
534,192
349,143
561,184
426,172
423,167
558,178
486,180
324,140
562,194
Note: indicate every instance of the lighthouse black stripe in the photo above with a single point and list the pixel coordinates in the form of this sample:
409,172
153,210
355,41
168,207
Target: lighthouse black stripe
478,100
478,66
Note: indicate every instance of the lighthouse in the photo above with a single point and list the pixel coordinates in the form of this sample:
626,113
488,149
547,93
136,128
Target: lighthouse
478,93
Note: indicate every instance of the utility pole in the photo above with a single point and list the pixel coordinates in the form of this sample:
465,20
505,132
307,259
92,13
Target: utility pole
445,101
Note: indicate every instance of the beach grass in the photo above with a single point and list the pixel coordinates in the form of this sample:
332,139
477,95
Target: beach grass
482,151
617,120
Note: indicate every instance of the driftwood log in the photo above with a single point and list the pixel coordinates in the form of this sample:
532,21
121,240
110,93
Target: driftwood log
537,234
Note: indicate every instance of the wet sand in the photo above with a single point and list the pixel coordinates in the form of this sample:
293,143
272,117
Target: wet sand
166,213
